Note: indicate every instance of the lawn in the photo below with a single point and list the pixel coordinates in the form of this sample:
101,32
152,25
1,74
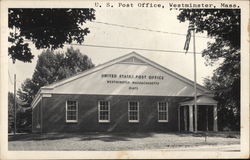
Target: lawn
119,141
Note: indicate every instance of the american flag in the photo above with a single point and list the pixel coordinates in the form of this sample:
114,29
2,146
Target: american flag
188,37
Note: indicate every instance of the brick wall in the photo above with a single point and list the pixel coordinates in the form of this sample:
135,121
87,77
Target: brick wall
54,114
36,118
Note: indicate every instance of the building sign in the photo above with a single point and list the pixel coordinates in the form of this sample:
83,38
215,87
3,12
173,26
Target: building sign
133,81
124,79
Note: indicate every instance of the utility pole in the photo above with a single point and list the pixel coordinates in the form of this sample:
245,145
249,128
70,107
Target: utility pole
195,86
14,104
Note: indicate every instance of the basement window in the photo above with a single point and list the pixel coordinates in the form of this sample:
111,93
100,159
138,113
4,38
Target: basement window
104,111
71,111
162,112
133,112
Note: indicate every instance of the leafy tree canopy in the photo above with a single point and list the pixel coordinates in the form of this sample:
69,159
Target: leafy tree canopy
46,28
224,26
51,67
11,113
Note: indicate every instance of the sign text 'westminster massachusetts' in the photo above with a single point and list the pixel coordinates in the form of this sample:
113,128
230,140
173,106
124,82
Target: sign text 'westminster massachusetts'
131,79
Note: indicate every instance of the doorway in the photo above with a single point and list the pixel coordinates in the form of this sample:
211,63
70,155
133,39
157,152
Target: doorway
205,118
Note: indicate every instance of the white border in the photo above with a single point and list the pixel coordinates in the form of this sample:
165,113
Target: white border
152,154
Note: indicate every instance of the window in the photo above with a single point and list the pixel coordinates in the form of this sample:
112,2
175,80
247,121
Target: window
71,111
133,111
162,112
104,111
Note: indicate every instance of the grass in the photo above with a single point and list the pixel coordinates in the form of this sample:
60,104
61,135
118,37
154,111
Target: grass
118,141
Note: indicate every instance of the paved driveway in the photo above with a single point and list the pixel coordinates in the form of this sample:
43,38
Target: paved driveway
125,141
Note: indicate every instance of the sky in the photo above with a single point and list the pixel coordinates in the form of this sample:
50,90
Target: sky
153,19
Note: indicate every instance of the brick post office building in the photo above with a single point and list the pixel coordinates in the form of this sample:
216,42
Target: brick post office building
130,93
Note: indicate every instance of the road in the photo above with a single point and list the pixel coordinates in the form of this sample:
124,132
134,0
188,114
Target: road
220,148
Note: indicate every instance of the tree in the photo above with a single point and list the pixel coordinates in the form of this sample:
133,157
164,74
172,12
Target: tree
10,111
51,67
11,114
224,27
46,28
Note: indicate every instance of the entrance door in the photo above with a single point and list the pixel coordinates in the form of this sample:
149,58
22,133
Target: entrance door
205,118
182,120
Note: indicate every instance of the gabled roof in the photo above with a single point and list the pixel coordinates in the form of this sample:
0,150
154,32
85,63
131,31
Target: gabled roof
132,57
201,100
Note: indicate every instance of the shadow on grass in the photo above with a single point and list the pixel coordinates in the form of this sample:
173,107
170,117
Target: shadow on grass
210,134
106,137
112,137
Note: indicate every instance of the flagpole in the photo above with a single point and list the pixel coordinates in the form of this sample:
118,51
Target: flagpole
195,87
